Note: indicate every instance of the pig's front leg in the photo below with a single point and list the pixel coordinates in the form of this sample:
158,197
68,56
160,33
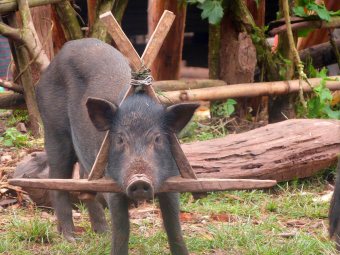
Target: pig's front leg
169,203
118,205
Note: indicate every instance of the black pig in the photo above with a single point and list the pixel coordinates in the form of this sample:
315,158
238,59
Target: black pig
78,97
334,211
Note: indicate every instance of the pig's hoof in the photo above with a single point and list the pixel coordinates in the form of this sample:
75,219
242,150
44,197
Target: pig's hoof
69,237
101,228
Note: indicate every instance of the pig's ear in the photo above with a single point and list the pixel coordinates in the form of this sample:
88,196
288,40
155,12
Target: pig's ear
101,112
178,115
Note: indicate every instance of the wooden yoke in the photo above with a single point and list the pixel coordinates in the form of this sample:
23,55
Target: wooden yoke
138,64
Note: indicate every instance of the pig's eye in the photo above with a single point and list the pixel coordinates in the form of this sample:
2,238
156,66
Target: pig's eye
119,140
158,139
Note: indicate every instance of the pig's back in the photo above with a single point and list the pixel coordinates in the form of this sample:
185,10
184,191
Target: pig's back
83,68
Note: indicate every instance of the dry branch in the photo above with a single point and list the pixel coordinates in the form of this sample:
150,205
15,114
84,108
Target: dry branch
321,54
12,5
173,184
239,90
11,86
334,22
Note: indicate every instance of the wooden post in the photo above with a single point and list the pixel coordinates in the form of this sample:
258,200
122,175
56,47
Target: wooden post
167,63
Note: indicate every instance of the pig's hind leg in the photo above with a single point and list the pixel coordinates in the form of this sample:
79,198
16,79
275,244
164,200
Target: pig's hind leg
61,159
169,203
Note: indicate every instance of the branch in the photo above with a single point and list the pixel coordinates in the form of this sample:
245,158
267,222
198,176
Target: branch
12,86
31,38
12,33
334,22
296,57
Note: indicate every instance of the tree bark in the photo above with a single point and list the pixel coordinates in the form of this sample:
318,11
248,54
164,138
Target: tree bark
167,63
68,20
214,51
283,151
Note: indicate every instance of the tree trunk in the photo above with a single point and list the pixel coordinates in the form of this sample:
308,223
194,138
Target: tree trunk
283,151
237,58
283,107
42,17
22,62
167,63
58,33
214,51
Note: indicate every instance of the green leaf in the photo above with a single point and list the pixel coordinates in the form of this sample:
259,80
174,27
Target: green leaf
8,143
212,10
334,13
299,11
330,113
320,10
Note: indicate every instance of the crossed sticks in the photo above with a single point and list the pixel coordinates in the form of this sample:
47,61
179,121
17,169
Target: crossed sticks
137,64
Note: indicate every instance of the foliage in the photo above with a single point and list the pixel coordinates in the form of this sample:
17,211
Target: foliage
319,104
211,10
34,230
309,8
18,116
224,109
12,137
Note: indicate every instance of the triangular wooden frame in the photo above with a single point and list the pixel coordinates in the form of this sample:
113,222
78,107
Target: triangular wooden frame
138,63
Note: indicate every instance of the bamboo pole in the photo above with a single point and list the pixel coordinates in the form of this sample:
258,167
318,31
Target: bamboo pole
242,90
173,184
12,5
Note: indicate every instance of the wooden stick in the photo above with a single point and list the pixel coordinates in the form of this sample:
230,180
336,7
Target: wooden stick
12,5
123,43
157,38
173,184
242,90
99,165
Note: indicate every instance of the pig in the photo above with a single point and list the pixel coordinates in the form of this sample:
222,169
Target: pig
79,98
334,211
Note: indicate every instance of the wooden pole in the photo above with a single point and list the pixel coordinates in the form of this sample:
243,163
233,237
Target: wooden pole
12,5
167,63
173,184
241,90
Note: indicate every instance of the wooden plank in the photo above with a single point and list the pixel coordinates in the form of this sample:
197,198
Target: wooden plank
174,184
157,38
12,5
121,40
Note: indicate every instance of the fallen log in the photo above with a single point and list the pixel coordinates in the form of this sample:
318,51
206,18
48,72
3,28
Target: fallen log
321,54
282,151
241,90
12,5
173,184
9,100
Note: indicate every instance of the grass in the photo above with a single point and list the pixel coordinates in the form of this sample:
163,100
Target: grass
238,222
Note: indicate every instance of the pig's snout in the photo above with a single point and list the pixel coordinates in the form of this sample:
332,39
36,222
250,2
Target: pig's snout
140,188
